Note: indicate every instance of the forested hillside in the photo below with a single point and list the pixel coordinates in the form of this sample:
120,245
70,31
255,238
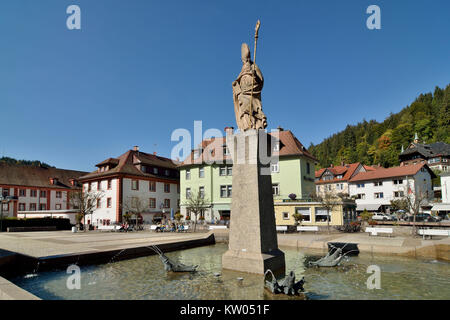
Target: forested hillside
35,163
380,143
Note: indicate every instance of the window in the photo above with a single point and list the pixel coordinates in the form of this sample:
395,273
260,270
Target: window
399,194
22,192
225,170
42,206
188,174
43,194
318,188
339,176
134,184
32,206
166,203
275,167
155,170
275,189
108,202
308,168
152,203
378,195
285,215
399,181
58,194
58,206
109,184
225,150
361,196
340,186
378,183
21,206
5,192
89,186
201,192
188,193
167,172
166,187
321,215
360,185
99,204
225,191
305,212
5,206
152,186
201,172
99,185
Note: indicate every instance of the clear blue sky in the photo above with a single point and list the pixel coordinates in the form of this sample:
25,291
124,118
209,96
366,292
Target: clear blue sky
139,69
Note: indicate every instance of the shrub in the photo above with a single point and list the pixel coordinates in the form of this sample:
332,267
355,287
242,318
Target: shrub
372,223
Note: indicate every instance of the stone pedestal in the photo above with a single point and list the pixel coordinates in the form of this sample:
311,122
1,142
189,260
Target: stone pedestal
253,245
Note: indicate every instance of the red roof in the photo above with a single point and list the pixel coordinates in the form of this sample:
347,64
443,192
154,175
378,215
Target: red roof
126,164
346,171
393,172
212,149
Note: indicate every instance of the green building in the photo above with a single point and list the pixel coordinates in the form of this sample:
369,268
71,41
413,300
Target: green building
208,171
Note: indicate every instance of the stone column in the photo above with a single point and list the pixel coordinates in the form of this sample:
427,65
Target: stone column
253,245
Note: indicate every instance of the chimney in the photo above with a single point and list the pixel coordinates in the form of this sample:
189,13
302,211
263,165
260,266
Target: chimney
154,153
229,130
280,128
136,148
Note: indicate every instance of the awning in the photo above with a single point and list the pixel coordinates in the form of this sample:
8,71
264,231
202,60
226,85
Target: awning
441,207
368,207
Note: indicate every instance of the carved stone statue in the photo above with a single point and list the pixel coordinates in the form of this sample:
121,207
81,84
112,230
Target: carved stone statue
288,286
247,94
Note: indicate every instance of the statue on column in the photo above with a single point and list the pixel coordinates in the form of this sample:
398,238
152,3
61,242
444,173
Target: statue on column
247,93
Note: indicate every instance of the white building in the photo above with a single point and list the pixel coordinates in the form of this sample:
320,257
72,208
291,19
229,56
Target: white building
443,208
374,190
40,191
134,177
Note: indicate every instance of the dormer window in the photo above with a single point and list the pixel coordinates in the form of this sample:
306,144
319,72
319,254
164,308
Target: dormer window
54,181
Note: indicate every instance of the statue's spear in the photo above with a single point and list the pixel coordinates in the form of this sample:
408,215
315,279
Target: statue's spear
258,24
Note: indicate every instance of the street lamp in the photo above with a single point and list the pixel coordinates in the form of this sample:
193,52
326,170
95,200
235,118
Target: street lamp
3,200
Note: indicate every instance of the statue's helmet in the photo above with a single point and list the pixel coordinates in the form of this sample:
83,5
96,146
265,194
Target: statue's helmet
245,52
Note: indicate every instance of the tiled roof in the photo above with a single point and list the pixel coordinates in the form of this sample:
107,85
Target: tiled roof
32,176
212,149
126,164
346,171
428,150
393,172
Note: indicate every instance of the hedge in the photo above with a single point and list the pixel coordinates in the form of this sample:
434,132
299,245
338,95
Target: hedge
59,223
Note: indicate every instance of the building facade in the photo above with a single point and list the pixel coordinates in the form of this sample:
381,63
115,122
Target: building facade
40,191
374,190
313,213
134,181
208,170
436,155
335,179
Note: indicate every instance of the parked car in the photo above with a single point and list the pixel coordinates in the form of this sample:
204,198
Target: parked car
424,217
381,216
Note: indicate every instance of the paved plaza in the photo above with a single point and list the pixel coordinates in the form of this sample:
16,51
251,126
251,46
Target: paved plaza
51,243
